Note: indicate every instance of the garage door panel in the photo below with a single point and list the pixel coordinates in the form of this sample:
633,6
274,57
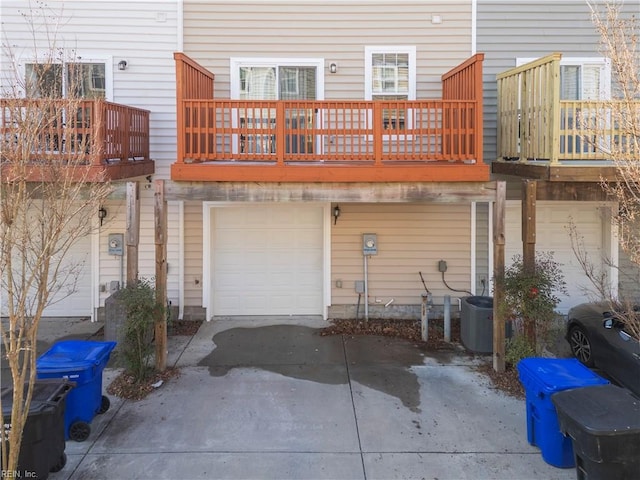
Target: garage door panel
309,284
74,298
308,238
240,281
273,254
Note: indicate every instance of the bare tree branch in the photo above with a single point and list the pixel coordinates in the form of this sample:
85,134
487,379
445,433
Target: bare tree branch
48,201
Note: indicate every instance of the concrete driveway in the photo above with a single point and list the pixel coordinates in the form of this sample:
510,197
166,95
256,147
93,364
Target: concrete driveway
272,399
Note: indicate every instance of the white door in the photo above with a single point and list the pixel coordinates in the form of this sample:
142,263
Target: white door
267,260
552,234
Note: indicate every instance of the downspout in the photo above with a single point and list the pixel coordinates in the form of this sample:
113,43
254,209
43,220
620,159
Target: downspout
474,26
181,260
180,25
95,271
179,48
474,269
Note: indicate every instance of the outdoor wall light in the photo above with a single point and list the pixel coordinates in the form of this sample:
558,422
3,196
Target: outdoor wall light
122,65
102,214
336,214
333,68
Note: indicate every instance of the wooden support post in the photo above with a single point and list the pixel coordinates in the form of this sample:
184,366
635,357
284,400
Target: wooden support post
529,242
529,224
160,211
132,231
498,272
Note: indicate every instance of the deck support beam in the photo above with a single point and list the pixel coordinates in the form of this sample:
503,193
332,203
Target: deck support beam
160,208
132,231
499,209
529,197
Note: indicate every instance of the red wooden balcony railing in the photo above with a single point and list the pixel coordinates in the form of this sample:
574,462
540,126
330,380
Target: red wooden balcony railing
99,140
329,140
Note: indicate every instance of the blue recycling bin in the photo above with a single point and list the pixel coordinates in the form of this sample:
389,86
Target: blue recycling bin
82,362
541,378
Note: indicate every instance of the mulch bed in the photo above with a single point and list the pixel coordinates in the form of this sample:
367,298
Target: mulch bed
407,329
183,327
125,386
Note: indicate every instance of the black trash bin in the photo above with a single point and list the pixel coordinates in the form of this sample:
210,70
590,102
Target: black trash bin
43,437
603,423
476,324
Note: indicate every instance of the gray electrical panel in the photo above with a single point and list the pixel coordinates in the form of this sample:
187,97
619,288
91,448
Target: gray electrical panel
369,244
116,244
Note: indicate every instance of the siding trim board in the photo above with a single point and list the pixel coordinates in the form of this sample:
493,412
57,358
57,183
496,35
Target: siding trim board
389,192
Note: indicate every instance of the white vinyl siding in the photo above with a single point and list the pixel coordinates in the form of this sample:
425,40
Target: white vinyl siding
412,238
338,33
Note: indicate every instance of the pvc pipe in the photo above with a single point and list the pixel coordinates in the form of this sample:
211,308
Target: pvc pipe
447,318
366,290
424,317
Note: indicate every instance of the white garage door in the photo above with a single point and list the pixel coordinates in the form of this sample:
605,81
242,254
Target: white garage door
78,303
74,298
552,220
267,260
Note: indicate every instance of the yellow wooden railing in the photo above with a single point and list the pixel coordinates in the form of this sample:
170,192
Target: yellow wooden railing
534,124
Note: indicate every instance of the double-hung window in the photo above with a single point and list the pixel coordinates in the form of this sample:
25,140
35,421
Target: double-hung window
390,75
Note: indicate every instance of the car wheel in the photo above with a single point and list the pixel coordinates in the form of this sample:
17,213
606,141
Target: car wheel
581,346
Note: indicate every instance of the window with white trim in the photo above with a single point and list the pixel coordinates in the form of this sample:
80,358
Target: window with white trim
276,79
60,80
390,74
582,78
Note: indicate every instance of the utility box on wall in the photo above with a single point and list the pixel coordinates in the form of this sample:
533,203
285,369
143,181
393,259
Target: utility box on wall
369,244
116,244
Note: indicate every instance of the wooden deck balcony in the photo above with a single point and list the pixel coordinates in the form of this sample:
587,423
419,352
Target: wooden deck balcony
543,137
97,140
329,140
